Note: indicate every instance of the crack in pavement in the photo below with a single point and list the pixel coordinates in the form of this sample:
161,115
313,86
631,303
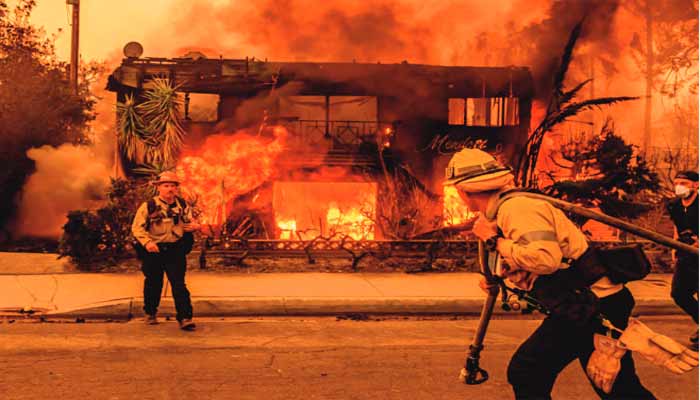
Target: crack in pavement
282,338
35,299
373,287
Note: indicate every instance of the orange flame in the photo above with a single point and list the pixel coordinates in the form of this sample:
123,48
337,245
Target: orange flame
227,166
352,223
308,209
454,212
288,229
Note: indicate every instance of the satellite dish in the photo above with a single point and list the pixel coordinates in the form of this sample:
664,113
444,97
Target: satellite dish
133,50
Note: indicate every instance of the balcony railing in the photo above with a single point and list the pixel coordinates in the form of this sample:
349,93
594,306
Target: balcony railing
342,134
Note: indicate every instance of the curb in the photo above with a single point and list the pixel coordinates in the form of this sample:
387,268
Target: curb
322,306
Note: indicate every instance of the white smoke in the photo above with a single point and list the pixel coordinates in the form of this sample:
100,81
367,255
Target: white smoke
67,178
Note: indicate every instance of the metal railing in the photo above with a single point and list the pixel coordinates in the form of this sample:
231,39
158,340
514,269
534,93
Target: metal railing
381,249
343,134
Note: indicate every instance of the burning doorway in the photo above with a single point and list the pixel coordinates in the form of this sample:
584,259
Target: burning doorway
305,210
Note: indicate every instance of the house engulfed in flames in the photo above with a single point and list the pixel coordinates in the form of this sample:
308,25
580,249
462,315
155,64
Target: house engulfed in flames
297,150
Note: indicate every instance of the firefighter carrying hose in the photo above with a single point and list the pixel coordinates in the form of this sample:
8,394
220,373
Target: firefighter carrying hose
545,255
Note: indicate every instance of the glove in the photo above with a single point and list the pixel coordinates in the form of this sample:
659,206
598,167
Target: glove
658,349
604,364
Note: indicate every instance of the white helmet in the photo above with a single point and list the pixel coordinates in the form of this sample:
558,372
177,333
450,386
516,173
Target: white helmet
471,166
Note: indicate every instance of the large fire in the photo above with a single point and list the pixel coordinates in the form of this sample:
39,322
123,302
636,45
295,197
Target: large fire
351,222
227,166
305,210
230,165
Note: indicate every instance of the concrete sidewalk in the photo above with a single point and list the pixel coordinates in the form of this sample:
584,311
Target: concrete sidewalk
119,296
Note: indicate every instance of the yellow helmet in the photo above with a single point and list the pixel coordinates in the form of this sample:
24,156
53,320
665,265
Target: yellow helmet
473,165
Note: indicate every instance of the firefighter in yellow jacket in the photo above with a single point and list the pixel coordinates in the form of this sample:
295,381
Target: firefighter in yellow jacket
162,227
535,239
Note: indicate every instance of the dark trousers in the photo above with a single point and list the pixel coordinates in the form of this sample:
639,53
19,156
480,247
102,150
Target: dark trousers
556,343
171,261
685,285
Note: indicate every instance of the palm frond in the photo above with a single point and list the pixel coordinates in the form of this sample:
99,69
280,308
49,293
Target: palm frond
566,58
575,108
559,110
568,96
528,162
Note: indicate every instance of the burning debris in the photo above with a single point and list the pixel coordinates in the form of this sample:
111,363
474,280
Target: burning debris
304,210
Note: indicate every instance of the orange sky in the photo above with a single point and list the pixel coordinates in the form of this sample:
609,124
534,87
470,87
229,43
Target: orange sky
102,24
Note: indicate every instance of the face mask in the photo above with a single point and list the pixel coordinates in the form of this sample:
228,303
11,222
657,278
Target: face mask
682,191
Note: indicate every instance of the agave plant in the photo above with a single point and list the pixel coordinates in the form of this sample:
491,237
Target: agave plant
150,132
561,107
161,113
130,130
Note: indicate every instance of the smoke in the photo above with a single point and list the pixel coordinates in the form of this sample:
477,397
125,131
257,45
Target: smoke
531,33
67,178
304,30
545,41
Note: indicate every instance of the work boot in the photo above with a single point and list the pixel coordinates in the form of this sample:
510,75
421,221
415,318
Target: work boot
187,325
151,319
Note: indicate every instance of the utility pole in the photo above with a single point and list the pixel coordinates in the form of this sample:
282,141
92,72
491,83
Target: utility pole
649,76
592,94
75,36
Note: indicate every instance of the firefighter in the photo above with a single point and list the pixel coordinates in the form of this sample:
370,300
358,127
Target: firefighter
535,240
163,229
684,213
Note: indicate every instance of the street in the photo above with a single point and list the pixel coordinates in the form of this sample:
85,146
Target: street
284,358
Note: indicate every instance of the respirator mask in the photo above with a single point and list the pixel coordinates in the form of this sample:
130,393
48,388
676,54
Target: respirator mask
682,191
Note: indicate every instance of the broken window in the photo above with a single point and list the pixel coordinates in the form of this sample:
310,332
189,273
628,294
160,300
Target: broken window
484,111
458,111
201,107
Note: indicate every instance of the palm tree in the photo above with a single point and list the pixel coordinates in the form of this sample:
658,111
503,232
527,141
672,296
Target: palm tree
561,107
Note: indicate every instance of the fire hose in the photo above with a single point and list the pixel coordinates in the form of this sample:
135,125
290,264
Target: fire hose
612,221
472,373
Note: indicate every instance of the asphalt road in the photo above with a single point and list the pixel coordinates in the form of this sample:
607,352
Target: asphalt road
317,358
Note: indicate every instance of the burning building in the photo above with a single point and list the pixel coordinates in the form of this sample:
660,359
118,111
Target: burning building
297,150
